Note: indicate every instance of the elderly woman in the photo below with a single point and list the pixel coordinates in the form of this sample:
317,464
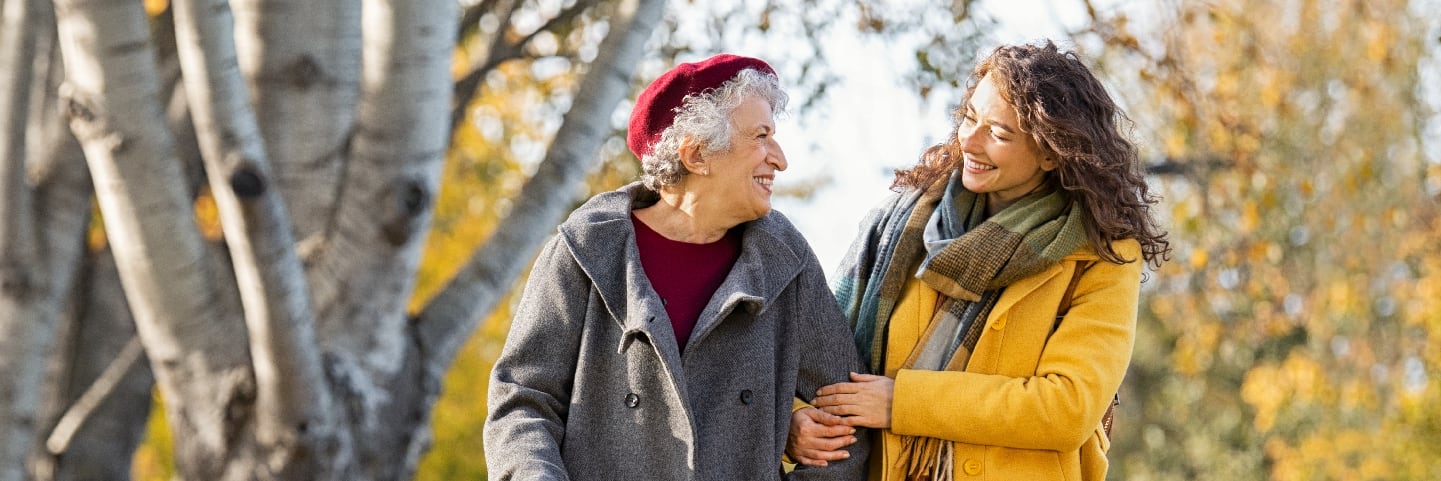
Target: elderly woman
664,333
996,294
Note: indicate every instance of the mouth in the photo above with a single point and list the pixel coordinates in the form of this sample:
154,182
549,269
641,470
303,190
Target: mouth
974,166
764,181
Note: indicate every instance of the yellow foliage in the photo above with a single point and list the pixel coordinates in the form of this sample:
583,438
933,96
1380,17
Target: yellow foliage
1250,218
460,412
1198,259
153,459
1263,391
1195,349
207,216
154,7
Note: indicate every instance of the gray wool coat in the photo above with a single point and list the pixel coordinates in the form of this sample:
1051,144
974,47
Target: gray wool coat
591,385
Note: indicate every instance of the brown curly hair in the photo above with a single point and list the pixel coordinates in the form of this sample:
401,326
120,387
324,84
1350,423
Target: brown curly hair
1067,111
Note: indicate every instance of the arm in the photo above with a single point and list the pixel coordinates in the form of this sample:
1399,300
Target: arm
530,385
828,355
1079,370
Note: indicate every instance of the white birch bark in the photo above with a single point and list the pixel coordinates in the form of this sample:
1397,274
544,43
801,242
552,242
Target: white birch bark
449,318
23,332
337,384
61,193
367,265
302,63
293,401
167,272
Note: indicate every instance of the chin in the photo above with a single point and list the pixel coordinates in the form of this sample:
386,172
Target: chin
972,185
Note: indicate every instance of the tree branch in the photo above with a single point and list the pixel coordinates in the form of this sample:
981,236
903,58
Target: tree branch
470,18
293,402
448,319
500,51
497,51
97,326
75,416
112,98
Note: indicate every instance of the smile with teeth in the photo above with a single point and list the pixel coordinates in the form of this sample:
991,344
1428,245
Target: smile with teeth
763,181
973,165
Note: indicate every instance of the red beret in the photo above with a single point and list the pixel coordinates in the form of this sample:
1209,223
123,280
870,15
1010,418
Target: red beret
655,108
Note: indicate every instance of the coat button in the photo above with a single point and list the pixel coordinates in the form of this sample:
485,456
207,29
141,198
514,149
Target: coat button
747,396
972,467
632,401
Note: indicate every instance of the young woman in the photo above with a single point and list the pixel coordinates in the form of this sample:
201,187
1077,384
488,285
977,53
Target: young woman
995,295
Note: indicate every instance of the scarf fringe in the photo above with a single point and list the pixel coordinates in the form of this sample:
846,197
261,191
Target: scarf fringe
928,459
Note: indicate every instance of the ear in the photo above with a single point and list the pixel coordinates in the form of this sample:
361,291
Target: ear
1049,163
691,157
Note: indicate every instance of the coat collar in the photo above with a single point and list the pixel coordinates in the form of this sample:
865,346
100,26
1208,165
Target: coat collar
1023,287
602,238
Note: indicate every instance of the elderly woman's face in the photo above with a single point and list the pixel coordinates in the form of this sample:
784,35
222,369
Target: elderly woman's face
741,177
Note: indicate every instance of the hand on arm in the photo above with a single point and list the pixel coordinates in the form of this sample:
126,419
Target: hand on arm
817,437
865,402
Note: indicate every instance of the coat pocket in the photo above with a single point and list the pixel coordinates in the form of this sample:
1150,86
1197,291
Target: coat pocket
1093,456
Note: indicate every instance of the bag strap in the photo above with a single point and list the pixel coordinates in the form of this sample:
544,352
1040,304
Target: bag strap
1109,418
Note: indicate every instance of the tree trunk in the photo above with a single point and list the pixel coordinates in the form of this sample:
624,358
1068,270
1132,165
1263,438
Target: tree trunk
285,352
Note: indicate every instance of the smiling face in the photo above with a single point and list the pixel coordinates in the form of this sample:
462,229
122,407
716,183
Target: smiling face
738,180
1000,160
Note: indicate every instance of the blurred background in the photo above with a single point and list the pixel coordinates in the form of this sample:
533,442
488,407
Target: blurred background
1295,334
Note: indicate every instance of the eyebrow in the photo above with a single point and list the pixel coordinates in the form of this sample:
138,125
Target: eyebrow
971,111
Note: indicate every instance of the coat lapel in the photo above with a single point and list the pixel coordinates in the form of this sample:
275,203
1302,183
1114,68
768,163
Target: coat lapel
1024,287
596,232
766,265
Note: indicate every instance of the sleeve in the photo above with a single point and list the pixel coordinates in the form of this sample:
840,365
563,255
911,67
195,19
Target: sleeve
530,385
1079,369
827,356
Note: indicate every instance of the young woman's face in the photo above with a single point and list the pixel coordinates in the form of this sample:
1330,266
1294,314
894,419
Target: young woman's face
742,175
1000,160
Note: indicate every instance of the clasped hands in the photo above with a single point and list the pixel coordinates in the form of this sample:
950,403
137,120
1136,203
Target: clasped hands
820,433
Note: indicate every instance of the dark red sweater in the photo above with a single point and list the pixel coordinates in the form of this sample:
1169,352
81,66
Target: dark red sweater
685,275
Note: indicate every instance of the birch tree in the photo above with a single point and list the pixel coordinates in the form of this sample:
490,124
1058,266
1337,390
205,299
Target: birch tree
285,349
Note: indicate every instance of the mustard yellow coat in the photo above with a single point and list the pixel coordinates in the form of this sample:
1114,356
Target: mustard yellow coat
1025,408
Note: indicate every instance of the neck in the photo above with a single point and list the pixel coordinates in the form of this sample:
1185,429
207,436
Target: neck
682,216
994,204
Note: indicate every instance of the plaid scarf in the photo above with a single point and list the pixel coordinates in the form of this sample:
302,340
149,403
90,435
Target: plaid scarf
966,257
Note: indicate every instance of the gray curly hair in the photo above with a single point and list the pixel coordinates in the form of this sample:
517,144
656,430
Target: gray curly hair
706,117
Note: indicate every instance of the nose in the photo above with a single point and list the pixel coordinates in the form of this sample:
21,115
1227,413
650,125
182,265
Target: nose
970,138
776,157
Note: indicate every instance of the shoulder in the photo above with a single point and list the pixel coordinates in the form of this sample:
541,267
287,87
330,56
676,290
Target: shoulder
1127,248
604,207
777,225
774,235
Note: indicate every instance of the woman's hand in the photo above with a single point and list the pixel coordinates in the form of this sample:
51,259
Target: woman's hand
865,402
817,437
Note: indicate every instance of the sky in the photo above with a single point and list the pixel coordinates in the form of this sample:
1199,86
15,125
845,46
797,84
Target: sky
870,124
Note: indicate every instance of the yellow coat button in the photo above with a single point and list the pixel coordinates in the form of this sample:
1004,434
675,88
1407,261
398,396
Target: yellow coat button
972,467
